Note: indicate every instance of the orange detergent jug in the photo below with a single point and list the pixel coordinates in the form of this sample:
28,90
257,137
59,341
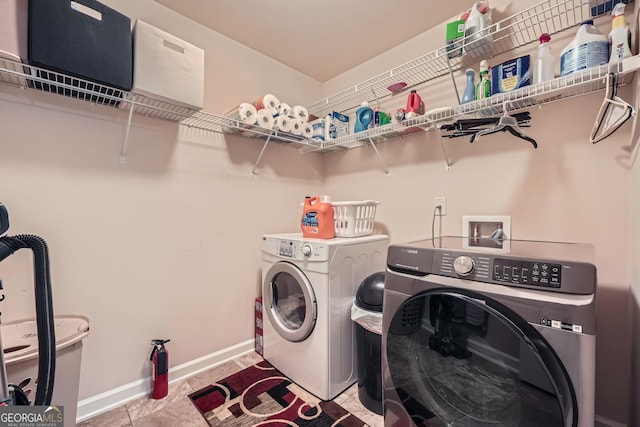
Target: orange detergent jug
317,219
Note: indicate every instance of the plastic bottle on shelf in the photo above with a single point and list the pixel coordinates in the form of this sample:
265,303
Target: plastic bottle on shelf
588,48
476,42
469,93
329,128
364,117
620,36
414,105
545,63
483,88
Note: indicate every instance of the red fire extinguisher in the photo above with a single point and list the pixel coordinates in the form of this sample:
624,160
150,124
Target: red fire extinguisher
159,369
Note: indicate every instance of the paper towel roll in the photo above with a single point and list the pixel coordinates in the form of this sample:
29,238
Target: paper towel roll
267,102
282,123
264,119
301,113
307,130
245,113
284,109
296,126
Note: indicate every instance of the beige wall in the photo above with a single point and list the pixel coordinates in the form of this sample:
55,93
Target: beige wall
168,244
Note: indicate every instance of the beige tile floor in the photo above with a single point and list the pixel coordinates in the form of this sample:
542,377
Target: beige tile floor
177,410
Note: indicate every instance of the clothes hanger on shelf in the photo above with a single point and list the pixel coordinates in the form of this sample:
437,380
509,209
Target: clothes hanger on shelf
613,113
470,126
506,123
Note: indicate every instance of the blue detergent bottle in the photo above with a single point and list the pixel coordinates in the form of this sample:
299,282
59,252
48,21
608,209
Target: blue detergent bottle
364,116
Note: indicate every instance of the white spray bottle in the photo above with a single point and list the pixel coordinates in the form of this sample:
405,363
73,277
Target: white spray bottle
620,35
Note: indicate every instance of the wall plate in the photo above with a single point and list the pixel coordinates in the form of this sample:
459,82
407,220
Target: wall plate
490,233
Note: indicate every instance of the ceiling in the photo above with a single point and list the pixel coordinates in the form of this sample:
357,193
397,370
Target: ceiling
320,38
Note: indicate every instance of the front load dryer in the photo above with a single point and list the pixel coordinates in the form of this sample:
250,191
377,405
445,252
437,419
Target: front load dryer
489,332
308,287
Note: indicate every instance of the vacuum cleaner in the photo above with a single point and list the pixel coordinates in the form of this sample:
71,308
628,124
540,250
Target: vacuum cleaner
12,394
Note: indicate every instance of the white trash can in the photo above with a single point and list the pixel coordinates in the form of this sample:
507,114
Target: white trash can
20,344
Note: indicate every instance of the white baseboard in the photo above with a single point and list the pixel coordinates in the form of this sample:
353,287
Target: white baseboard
605,422
110,399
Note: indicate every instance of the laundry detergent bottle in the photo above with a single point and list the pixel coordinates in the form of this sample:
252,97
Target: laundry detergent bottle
619,36
364,117
318,218
588,48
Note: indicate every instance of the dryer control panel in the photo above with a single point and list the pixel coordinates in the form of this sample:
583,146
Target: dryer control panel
296,249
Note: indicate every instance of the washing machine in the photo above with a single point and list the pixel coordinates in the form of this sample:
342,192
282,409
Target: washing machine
308,287
489,332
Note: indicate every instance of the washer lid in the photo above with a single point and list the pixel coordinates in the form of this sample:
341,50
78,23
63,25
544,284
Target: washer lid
371,291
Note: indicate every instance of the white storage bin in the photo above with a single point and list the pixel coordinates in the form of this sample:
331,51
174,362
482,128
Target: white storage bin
167,68
13,38
20,343
354,219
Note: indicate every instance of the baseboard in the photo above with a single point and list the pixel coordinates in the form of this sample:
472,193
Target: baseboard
110,399
605,422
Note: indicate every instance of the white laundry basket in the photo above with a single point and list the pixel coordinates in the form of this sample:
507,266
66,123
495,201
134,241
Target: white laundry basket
20,343
354,219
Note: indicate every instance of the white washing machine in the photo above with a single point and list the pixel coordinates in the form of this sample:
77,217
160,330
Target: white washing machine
308,286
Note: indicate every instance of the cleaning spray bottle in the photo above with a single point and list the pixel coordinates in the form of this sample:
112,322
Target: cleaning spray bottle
620,36
545,63
483,88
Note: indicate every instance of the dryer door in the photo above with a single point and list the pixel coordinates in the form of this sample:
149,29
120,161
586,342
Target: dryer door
456,357
289,301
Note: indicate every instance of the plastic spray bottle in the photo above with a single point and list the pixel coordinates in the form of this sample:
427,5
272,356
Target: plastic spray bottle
483,88
620,35
545,63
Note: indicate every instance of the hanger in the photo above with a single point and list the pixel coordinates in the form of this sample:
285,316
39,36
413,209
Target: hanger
613,113
506,123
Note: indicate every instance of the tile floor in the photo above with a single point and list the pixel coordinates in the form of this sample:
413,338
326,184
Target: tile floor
177,410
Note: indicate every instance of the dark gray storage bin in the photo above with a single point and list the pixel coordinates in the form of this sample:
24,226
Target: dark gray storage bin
81,38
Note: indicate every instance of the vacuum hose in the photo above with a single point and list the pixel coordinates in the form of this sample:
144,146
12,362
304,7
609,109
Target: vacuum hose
44,309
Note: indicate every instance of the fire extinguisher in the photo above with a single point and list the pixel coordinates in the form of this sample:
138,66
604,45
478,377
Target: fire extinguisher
159,369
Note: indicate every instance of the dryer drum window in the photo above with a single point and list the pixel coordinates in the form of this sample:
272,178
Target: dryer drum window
474,362
289,302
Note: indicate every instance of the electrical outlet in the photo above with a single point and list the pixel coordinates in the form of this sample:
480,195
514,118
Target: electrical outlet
442,202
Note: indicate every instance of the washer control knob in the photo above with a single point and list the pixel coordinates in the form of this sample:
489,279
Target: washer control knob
306,250
463,265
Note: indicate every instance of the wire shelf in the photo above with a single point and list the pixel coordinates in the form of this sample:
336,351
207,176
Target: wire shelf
31,77
550,16
220,124
569,86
